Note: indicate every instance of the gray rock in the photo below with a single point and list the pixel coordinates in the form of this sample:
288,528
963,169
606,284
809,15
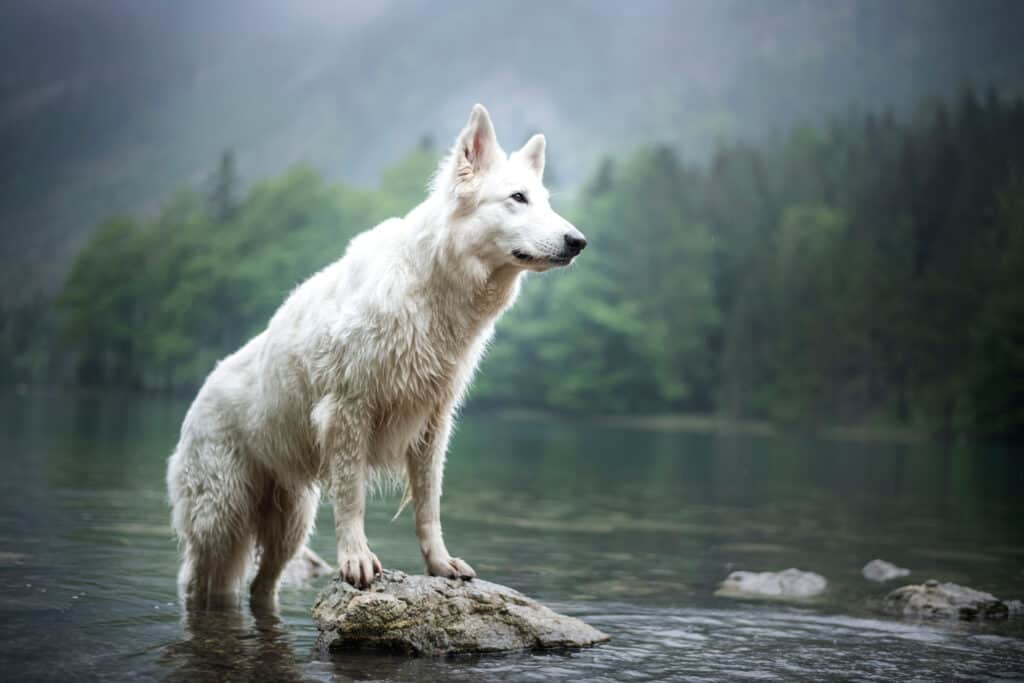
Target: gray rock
1015,608
303,568
434,616
880,570
935,600
791,583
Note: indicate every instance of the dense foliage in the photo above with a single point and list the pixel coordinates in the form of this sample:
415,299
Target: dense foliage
871,272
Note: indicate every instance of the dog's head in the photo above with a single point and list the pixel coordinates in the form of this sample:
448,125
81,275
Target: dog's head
499,206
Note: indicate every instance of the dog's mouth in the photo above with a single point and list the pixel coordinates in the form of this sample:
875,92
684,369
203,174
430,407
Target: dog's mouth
522,255
560,260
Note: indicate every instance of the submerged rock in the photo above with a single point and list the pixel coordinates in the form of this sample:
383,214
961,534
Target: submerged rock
303,568
880,570
934,600
791,583
434,616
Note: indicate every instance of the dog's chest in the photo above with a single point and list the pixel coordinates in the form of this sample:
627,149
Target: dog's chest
415,353
426,368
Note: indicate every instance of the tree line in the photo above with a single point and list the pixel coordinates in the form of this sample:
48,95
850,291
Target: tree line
869,271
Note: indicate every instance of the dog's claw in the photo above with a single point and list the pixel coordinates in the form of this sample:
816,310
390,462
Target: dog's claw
360,570
461,568
453,568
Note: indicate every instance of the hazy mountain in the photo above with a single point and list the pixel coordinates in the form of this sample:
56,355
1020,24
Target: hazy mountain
110,105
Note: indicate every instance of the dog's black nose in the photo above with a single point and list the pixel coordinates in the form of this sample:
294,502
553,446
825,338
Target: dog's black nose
575,242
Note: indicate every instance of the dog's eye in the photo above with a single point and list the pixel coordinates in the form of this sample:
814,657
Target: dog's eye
520,197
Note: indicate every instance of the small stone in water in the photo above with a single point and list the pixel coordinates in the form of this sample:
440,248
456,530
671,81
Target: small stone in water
304,568
880,570
791,583
935,600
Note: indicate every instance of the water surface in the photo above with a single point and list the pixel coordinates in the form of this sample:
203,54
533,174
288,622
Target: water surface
629,529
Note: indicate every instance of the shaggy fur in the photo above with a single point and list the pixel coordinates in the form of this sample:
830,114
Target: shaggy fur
359,373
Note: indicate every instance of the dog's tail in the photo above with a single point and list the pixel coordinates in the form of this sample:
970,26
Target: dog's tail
406,497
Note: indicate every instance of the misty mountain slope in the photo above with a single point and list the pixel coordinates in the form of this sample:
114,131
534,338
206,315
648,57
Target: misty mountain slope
110,106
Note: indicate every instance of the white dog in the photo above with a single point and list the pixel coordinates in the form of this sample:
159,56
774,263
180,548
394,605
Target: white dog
358,374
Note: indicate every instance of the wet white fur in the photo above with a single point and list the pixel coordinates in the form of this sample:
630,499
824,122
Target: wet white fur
359,372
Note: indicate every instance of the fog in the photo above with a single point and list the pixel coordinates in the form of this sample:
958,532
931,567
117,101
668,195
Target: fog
111,105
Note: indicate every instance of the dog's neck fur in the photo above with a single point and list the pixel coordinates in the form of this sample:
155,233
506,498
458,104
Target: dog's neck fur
467,293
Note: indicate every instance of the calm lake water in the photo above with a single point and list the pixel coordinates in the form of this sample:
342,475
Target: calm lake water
631,530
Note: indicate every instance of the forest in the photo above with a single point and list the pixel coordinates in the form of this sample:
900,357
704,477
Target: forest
867,271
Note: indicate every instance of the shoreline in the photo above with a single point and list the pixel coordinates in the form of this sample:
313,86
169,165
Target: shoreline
698,423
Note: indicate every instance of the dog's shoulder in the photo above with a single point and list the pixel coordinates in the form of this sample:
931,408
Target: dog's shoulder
366,255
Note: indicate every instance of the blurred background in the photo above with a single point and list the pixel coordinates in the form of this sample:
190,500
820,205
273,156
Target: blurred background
807,214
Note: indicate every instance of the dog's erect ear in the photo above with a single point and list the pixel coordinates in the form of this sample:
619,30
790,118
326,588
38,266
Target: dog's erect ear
477,149
532,153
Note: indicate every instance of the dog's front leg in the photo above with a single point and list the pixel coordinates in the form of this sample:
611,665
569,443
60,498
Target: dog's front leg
345,440
426,468
356,563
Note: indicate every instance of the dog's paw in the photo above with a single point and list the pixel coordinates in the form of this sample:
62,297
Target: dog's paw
451,568
359,569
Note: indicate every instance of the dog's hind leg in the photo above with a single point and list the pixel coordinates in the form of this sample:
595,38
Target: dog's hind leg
213,514
284,519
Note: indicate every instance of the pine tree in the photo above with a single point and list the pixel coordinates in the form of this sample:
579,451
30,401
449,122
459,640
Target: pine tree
223,201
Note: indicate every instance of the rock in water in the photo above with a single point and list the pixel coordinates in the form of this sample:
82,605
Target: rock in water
435,616
303,568
791,583
880,570
934,600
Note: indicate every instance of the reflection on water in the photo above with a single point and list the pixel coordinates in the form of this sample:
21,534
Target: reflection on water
230,644
630,529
